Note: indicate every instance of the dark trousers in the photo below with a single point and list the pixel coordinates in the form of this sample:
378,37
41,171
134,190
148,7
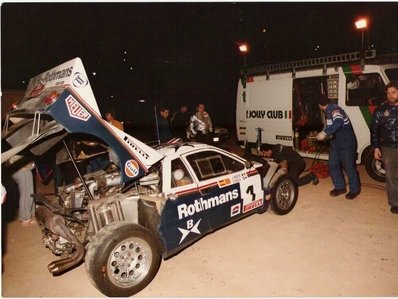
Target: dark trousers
340,159
204,138
390,160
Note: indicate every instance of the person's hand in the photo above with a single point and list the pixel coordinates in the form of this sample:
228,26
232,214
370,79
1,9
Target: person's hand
377,154
321,136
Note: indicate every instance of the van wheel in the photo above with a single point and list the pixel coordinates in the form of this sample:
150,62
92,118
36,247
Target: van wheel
375,168
122,259
284,195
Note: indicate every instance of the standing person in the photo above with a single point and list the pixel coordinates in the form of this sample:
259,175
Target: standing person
295,163
180,122
384,138
111,119
343,148
24,178
164,125
200,125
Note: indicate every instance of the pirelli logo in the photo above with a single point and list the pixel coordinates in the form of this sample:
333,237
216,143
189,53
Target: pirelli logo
76,110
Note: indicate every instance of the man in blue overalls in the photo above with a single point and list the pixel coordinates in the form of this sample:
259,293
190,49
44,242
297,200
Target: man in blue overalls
343,149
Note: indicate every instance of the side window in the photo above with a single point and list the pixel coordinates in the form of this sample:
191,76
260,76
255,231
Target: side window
179,174
364,90
392,74
211,164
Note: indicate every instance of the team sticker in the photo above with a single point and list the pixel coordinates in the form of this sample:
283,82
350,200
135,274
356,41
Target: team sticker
76,110
131,168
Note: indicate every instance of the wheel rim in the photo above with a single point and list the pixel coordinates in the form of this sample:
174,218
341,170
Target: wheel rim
285,194
378,168
129,262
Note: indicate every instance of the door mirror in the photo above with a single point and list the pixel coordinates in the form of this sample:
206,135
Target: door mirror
248,164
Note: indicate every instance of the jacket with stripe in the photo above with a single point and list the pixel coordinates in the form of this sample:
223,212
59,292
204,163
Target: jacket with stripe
339,125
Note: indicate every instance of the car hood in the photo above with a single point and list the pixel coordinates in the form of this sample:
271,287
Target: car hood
59,102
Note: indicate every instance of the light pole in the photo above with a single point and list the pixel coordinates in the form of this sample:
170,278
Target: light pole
362,24
243,48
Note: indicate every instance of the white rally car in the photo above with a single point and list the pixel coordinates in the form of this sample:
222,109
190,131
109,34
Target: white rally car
145,203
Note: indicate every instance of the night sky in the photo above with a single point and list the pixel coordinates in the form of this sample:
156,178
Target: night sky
174,53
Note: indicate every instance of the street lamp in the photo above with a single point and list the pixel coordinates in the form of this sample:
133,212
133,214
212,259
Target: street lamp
244,49
361,24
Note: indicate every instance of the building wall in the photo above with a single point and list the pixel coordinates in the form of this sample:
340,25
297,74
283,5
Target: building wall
9,97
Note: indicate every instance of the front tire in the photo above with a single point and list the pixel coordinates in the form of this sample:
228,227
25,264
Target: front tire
284,195
375,168
122,259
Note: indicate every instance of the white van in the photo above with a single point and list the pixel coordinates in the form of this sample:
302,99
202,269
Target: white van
278,103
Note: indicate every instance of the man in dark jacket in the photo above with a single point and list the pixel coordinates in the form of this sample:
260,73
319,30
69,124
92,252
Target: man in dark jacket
296,163
163,125
384,138
343,149
180,122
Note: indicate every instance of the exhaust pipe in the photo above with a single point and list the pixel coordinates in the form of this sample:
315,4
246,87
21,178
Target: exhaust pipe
56,224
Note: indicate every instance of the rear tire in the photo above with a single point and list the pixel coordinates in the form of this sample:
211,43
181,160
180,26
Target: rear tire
284,195
375,168
122,259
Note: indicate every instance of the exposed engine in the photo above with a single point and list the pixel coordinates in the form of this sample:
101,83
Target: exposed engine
81,209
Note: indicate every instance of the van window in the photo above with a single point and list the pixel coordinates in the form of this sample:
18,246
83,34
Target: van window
392,74
210,164
364,90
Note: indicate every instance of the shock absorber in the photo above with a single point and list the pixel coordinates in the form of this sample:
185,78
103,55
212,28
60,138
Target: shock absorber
259,141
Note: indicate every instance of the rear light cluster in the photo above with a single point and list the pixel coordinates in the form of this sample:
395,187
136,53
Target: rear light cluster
14,105
50,98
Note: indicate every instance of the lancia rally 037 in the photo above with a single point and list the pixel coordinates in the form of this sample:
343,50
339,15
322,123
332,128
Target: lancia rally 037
145,203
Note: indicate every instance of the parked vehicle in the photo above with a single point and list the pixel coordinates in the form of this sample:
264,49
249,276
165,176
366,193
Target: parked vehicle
146,203
282,100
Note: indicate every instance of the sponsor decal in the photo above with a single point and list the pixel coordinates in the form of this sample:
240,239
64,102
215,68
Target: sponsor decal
131,144
254,204
270,114
50,76
281,137
235,210
37,90
191,228
131,168
79,80
202,204
224,183
76,110
236,178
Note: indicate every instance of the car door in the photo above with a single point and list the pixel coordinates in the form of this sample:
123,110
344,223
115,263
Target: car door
183,220
228,189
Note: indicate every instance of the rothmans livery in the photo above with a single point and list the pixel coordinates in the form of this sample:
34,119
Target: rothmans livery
64,94
143,203
201,204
